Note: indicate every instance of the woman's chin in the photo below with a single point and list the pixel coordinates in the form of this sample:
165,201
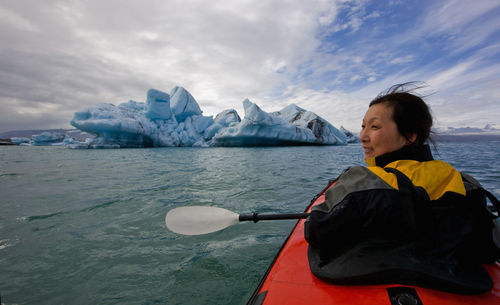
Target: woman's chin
369,155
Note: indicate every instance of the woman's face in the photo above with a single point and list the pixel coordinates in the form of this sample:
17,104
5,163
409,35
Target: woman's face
379,133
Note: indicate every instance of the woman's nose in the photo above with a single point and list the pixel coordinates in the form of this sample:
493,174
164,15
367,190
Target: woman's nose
363,136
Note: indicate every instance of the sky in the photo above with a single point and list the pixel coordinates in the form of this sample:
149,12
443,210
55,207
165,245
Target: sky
331,57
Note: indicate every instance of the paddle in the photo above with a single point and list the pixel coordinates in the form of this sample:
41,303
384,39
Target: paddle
196,220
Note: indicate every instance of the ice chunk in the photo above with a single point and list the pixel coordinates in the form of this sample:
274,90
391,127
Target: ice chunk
201,123
133,106
324,132
47,138
66,141
158,105
187,133
123,127
351,137
19,140
183,104
133,124
224,119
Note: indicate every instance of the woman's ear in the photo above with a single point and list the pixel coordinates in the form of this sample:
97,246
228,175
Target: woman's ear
412,137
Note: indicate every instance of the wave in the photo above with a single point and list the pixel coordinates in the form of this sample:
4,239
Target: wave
10,174
102,205
40,217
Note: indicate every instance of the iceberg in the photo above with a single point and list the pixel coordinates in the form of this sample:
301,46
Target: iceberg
47,138
176,119
20,140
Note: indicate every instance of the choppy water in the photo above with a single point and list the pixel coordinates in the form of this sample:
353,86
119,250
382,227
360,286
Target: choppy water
87,226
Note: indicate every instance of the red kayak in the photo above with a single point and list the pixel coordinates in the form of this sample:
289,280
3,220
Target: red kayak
290,281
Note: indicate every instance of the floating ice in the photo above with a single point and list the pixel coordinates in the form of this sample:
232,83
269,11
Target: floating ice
177,120
20,140
47,138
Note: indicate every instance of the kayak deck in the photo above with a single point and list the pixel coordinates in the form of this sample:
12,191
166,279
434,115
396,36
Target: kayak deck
290,281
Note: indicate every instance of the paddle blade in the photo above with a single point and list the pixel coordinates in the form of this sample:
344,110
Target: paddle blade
196,220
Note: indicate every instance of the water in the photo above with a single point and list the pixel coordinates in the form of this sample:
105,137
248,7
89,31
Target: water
87,226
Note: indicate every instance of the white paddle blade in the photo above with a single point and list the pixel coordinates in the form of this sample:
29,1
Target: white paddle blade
196,220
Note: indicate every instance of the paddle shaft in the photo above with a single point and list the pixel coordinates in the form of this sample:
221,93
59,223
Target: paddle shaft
256,217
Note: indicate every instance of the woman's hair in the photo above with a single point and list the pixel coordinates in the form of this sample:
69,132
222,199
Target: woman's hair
410,112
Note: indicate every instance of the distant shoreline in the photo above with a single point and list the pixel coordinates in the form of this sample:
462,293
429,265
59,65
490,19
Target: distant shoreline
74,133
466,137
30,132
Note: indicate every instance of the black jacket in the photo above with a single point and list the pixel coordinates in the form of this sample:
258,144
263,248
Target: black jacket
405,218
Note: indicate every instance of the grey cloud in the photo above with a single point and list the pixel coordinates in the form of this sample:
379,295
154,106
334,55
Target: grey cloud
59,56
66,55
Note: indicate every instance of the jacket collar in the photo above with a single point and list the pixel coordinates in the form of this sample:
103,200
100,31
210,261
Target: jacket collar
418,153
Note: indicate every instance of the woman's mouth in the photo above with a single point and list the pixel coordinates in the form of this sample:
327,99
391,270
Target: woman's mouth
368,151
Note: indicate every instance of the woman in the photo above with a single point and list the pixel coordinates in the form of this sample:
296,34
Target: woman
406,218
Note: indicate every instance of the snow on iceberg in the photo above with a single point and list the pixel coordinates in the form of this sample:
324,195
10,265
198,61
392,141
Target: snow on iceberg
177,120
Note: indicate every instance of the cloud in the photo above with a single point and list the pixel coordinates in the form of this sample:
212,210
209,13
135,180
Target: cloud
402,60
328,56
445,46
12,19
93,51
455,15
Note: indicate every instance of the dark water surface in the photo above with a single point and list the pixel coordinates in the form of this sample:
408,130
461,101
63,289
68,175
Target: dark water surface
87,226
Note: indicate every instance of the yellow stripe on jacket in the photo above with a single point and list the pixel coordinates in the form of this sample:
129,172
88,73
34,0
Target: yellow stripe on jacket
435,177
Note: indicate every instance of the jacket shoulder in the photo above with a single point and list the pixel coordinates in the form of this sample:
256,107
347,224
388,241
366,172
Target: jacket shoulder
435,177
355,179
